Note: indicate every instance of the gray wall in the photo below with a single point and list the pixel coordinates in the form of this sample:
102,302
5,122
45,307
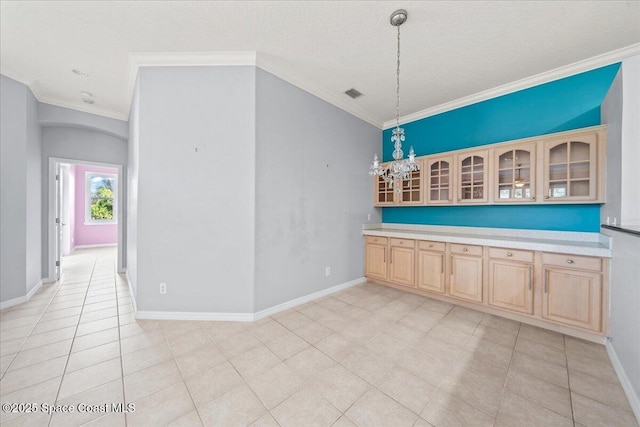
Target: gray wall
611,115
313,192
132,191
52,115
81,145
620,112
625,301
195,195
34,193
13,187
20,159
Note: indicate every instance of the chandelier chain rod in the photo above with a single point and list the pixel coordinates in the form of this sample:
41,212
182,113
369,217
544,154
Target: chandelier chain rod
398,82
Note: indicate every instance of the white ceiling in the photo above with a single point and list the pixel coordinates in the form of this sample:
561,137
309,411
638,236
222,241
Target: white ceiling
450,49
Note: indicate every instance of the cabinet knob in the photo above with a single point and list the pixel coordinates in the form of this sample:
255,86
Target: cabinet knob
465,249
533,198
569,261
401,242
509,254
546,197
431,245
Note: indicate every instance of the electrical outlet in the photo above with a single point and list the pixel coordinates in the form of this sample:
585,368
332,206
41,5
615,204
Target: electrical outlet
163,288
368,217
327,271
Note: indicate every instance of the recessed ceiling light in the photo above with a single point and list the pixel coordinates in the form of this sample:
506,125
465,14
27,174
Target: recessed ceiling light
87,95
88,100
80,72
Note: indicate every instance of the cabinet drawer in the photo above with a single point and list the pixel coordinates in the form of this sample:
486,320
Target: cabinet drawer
432,246
376,240
403,243
466,249
572,261
511,254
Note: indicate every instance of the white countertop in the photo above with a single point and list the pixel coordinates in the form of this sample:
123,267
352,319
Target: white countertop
576,243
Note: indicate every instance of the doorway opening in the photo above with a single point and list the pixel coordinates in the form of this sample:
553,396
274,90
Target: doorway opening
85,210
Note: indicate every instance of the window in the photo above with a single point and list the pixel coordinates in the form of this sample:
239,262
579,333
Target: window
100,206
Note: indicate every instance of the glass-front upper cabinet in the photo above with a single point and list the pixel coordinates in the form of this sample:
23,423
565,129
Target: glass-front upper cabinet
570,168
411,189
472,176
439,178
515,173
383,194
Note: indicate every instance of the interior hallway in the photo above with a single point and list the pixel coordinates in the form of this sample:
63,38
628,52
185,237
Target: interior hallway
367,356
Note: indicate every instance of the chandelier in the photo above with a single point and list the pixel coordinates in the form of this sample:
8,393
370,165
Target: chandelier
399,168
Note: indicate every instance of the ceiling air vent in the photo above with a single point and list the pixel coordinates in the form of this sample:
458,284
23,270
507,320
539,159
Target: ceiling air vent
353,93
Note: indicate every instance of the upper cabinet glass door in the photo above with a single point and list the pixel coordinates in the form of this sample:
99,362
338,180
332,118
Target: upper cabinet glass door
439,173
570,169
411,189
515,173
383,195
472,177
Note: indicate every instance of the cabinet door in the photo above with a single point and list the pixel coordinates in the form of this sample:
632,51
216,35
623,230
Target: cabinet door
439,180
511,285
431,271
401,265
466,278
376,261
411,190
570,169
472,177
383,194
515,173
572,297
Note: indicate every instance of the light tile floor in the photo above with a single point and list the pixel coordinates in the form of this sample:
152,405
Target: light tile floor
367,356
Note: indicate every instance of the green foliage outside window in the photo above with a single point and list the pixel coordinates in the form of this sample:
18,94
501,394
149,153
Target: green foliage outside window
102,201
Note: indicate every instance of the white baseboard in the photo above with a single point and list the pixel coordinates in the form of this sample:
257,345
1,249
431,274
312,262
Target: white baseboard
131,293
299,301
102,245
634,400
188,315
22,299
241,317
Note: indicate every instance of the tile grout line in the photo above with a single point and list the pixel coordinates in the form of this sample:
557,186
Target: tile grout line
124,396
31,331
504,386
72,341
566,359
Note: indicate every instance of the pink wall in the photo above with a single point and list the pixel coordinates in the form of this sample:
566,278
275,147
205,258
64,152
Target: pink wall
72,209
82,234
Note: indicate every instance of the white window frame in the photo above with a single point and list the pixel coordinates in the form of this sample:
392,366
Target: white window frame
87,199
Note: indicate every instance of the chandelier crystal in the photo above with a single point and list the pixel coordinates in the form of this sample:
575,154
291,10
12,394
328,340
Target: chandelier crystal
399,168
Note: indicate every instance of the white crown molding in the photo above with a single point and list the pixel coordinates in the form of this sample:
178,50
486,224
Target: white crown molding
80,106
538,79
338,100
181,59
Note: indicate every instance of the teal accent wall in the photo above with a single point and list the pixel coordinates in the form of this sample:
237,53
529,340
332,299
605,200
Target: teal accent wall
569,103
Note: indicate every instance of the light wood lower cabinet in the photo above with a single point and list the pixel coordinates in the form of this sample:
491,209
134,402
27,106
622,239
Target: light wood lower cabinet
402,261
572,297
511,285
430,271
466,277
376,259
566,293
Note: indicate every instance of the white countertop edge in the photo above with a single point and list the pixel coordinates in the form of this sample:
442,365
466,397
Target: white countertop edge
557,245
